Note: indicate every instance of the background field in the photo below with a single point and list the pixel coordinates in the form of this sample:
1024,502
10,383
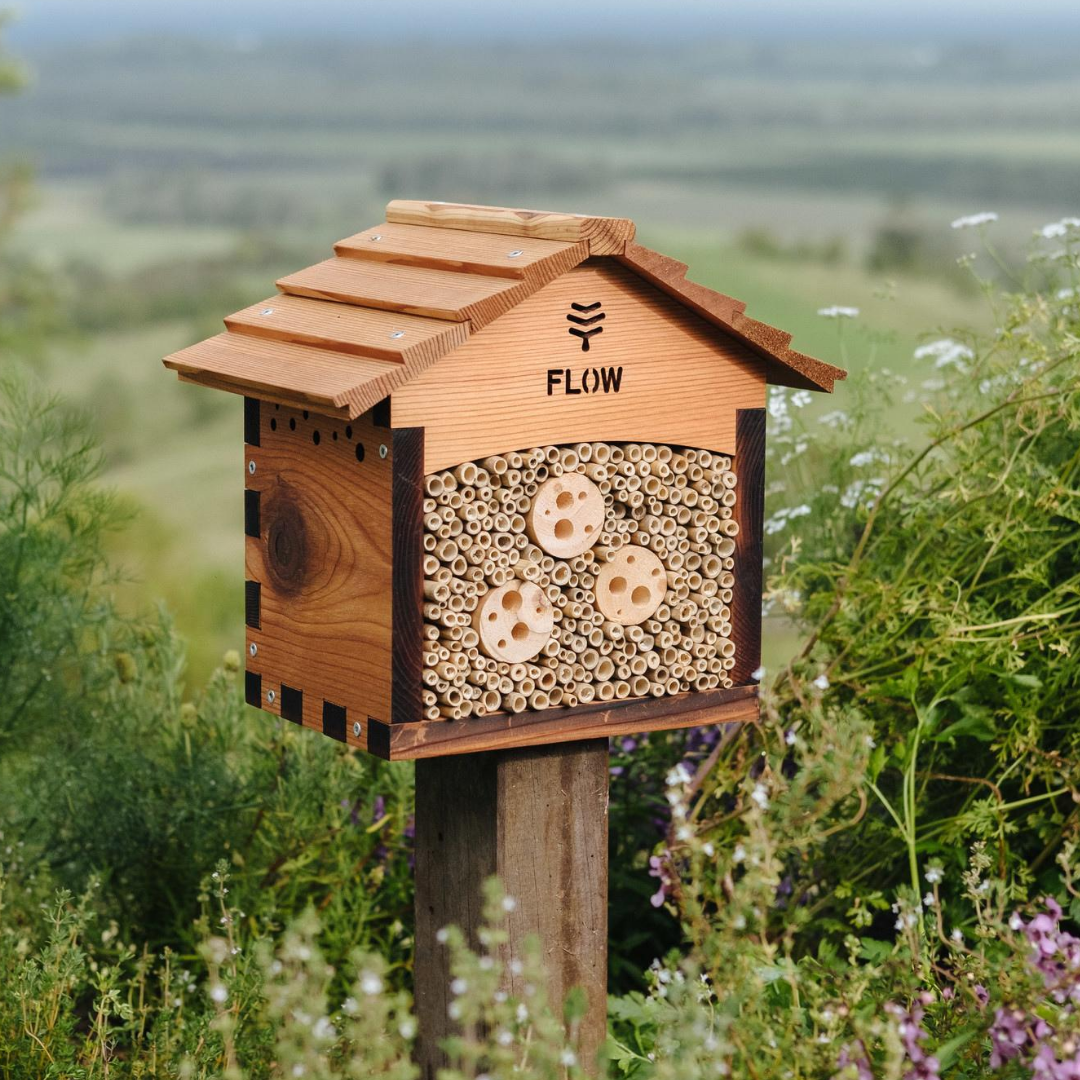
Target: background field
177,176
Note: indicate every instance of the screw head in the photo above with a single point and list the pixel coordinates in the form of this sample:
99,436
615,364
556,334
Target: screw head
251,467
375,236
253,649
356,728
382,450
515,254
270,695
267,311
397,333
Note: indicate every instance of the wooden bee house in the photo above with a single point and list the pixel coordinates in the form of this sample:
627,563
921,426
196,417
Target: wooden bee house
503,484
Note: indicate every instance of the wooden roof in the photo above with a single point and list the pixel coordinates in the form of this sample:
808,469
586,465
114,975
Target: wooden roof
344,333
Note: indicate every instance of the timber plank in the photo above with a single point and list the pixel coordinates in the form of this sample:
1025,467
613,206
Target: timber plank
435,738
346,328
528,259
749,464
604,235
414,290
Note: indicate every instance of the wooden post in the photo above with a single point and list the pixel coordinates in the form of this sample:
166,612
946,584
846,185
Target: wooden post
537,818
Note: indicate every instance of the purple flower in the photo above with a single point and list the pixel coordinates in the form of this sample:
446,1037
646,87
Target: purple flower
850,1055
378,809
660,867
924,1066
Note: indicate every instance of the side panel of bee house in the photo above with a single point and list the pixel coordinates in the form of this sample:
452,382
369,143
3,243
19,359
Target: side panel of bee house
318,568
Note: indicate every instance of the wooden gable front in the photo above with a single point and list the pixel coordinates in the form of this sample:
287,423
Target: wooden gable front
652,371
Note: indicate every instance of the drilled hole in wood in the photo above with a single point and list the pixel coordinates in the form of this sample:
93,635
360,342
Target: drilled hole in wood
618,586
334,436
640,596
292,423
316,437
359,451
305,414
348,431
520,632
273,424
512,601
564,529
565,499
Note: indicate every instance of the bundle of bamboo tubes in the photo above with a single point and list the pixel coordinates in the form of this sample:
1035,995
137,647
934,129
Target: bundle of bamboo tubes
641,608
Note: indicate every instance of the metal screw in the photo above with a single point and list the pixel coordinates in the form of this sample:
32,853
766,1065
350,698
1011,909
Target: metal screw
382,450
253,648
251,467
267,311
397,333
356,728
375,236
270,695
516,253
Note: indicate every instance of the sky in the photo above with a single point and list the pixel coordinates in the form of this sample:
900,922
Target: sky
41,22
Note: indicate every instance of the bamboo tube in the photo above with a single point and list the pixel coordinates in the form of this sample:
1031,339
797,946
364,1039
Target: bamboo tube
586,692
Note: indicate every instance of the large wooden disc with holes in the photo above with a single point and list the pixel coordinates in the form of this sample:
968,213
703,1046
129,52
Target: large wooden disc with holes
566,516
630,585
514,621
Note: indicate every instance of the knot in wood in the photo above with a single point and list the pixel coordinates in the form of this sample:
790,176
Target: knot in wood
286,543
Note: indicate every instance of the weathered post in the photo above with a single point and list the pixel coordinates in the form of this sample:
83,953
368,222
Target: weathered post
504,487
537,818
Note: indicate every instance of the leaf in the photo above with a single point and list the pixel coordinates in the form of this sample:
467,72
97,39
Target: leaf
946,1053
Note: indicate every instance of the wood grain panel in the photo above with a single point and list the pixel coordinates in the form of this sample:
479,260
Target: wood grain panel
436,738
538,819
344,328
323,559
605,236
414,290
749,513
681,383
528,259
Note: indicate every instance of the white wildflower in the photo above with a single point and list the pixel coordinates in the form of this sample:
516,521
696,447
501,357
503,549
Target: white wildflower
799,511
503,1037
680,774
801,398
739,854
1066,294
500,997
219,994
522,1013
758,673
928,900
370,983
760,795
1059,228
789,738
933,874
838,312
870,741
943,352
349,1007
298,1069
486,963
834,418
1015,922
863,458
822,682
708,849
407,1028
458,986
972,221
323,1029
509,903
957,935
453,1010
442,935
683,833
516,967
568,1058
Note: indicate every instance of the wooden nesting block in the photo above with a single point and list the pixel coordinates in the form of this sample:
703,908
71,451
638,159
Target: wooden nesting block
566,516
630,586
514,621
